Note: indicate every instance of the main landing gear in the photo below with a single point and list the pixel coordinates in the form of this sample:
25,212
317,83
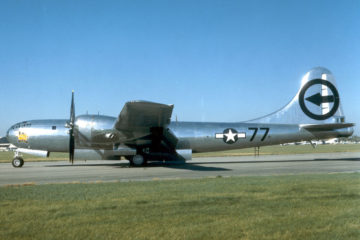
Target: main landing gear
18,161
137,160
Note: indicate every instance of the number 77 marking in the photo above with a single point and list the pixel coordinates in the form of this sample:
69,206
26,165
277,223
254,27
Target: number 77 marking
255,132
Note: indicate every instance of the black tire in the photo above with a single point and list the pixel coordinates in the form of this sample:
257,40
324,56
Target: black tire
138,160
18,162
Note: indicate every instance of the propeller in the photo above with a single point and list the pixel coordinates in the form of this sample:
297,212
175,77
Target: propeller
71,130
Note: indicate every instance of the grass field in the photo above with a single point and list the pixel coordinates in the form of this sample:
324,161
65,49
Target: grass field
323,206
274,150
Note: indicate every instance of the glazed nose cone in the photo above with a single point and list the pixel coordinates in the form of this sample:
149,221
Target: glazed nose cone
10,135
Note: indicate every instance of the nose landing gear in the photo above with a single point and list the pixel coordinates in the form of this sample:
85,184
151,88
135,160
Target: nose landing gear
18,161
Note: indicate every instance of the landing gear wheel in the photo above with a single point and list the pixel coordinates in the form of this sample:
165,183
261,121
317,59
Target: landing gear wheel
18,162
138,161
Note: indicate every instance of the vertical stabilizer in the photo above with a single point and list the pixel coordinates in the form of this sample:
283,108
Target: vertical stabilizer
317,101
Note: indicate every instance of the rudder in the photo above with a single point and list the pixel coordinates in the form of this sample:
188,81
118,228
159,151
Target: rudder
316,102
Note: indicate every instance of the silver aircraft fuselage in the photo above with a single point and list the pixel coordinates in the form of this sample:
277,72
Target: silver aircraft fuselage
143,130
52,135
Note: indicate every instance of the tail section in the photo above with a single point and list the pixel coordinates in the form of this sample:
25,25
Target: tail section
317,102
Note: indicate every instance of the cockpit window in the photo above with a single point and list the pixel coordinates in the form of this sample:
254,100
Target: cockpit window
53,127
22,124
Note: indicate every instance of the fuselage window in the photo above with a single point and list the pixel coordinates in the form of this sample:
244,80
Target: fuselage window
53,127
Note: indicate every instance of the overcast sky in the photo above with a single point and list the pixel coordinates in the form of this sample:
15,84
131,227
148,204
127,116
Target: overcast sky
215,60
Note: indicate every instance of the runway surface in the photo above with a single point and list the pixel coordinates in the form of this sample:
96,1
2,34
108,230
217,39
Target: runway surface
93,171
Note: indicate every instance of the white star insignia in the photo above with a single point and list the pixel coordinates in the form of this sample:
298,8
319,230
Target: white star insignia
230,136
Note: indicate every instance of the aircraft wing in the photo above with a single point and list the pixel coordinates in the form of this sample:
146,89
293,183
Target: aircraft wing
139,119
138,115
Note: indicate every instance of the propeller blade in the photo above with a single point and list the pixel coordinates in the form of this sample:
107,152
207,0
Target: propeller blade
71,146
72,110
71,130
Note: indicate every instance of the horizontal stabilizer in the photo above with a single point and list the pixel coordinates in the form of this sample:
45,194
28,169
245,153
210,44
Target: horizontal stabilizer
326,127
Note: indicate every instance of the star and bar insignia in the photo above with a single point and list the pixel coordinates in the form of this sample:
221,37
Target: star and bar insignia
230,135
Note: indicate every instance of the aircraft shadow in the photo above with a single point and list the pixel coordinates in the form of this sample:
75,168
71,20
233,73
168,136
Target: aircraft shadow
124,165
174,165
284,161
186,166
198,165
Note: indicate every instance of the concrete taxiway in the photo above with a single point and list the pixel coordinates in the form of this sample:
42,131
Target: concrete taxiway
93,171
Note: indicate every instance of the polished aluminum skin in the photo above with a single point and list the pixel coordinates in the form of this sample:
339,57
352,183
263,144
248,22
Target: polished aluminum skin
314,113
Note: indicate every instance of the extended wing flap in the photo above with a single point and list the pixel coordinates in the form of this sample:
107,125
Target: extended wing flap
142,115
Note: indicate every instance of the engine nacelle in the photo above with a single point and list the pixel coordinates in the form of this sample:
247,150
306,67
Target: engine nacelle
186,154
100,154
94,131
38,153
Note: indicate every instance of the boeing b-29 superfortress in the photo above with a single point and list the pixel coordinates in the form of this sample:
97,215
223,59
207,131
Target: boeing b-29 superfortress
143,131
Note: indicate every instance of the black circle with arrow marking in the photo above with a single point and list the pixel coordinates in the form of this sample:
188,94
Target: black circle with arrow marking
318,99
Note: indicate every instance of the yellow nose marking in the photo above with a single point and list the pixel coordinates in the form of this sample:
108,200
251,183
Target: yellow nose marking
22,137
